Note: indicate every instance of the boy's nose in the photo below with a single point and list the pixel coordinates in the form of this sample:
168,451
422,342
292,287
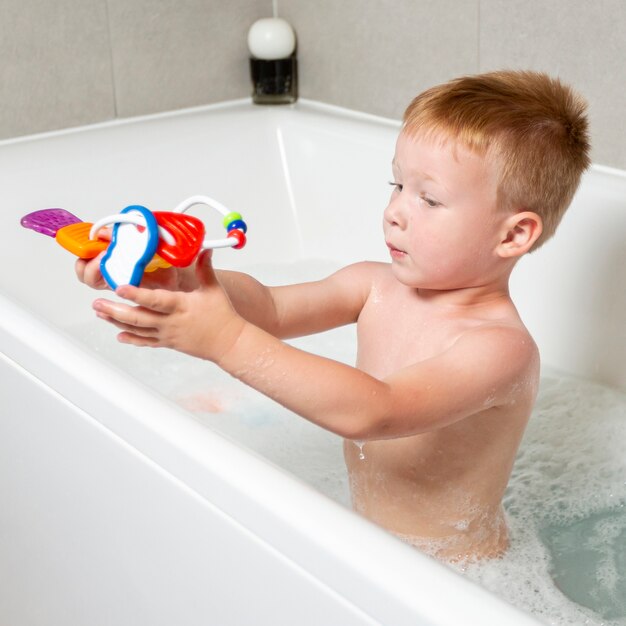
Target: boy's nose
394,214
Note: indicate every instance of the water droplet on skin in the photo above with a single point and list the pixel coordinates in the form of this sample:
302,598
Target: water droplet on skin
359,444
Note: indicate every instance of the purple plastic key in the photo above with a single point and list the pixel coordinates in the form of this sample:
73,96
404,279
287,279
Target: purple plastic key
48,221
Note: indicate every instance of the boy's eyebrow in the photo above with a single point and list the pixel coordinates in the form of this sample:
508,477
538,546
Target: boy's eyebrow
426,176
422,175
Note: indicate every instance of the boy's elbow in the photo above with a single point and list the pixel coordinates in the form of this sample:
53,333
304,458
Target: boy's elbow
383,420
366,426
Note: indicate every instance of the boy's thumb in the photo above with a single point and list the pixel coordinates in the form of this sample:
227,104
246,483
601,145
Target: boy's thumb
204,269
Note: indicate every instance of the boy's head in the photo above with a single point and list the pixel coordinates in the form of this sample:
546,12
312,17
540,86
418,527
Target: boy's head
531,125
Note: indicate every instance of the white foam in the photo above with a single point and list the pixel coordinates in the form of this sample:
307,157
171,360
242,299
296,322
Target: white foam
571,466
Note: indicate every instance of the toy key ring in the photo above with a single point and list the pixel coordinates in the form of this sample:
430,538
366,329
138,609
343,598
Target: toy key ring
131,249
233,222
179,238
137,219
141,240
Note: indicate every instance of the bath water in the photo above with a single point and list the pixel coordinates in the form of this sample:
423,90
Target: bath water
566,508
565,504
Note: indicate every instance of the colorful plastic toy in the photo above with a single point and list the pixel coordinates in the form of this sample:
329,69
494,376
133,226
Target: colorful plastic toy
49,221
142,241
236,228
75,238
131,249
188,234
68,230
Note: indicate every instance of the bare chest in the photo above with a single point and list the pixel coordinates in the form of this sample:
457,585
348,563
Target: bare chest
396,330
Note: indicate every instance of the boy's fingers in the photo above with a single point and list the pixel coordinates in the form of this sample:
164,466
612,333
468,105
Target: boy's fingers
204,269
130,316
134,340
147,331
88,272
158,300
79,268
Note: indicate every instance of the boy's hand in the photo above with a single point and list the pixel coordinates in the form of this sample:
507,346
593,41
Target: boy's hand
181,279
202,323
88,272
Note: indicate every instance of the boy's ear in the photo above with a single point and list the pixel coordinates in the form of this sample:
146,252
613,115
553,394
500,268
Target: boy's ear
519,233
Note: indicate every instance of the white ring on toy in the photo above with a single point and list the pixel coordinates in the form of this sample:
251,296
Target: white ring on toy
129,218
210,202
208,244
138,220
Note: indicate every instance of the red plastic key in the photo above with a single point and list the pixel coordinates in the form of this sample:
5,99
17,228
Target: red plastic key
187,230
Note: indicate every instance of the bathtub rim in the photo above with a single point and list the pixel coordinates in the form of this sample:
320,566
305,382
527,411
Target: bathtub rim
312,106
245,104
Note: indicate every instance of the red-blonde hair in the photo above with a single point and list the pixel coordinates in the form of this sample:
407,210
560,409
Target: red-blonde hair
533,125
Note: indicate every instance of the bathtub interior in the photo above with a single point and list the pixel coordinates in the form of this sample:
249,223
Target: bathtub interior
311,183
281,177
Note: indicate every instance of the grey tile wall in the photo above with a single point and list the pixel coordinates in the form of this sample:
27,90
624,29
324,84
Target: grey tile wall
170,54
72,62
55,65
584,43
375,56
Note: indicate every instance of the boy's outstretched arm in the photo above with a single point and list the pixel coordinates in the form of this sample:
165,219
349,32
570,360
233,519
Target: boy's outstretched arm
484,369
285,312
478,372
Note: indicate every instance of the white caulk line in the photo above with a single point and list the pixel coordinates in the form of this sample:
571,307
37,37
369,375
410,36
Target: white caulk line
290,195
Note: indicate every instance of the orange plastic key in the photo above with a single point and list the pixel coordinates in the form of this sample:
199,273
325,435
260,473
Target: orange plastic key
75,238
157,263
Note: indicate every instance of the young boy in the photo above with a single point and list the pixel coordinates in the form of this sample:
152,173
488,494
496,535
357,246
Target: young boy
446,373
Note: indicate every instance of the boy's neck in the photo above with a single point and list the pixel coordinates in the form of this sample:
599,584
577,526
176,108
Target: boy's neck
466,297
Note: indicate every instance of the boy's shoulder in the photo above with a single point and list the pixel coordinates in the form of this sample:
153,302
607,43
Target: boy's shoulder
500,335
492,336
368,268
361,276
505,336
503,356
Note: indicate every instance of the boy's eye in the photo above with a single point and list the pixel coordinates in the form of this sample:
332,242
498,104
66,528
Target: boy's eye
430,202
396,186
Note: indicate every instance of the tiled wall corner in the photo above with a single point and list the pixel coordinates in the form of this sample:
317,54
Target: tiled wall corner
75,62
55,65
584,43
376,56
170,54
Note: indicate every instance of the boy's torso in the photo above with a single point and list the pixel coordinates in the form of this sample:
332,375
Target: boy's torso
442,489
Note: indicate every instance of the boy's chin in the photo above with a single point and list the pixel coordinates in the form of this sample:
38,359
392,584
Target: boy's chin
414,280
409,278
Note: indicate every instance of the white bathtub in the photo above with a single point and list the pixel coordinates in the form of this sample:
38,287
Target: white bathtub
118,506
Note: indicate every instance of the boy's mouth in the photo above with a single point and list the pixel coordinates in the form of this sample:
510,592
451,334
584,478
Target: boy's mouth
396,253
